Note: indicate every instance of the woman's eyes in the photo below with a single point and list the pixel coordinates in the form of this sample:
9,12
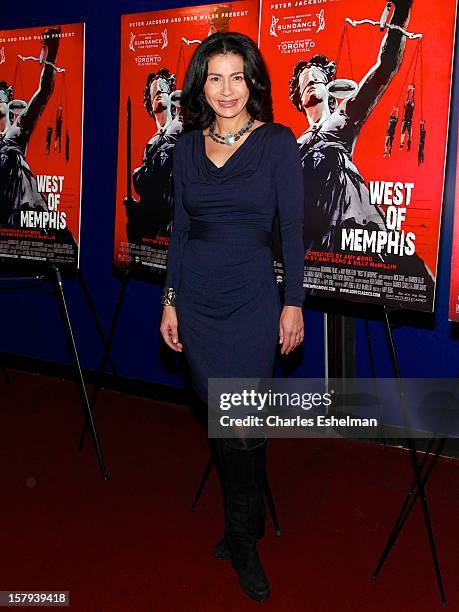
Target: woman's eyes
215,79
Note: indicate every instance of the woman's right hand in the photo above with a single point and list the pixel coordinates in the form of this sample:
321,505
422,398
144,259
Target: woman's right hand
169,329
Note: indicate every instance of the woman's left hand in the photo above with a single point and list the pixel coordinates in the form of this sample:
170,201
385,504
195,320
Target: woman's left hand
291,328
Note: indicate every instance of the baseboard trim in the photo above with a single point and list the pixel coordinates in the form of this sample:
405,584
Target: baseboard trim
129,386
149,390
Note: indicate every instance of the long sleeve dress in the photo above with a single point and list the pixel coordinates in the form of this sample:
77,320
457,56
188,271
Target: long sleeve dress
220,259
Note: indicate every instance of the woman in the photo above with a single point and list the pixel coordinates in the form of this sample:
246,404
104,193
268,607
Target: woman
233,169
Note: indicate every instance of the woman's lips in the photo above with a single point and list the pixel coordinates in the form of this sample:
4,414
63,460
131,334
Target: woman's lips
227,103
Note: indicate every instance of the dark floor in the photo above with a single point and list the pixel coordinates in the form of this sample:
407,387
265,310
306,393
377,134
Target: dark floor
133,544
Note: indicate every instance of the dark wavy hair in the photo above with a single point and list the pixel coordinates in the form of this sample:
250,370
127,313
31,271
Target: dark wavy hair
197,114
319,61
166,75
8,89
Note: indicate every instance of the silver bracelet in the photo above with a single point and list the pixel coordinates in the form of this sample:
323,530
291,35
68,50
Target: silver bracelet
169,296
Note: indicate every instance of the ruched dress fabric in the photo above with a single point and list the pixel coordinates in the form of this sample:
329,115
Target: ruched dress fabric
220,259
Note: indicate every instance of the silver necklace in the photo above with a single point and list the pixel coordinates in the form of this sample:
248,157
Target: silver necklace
229,139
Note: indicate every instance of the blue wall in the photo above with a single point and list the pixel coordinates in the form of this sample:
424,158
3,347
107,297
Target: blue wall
31,325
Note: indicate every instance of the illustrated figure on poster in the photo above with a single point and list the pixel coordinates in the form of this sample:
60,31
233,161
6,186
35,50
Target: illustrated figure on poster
407,122
390,132
422,141
18,187
58,131
49,137
151,215
336,194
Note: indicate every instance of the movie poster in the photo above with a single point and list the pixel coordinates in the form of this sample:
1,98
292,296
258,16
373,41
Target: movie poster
41,122
453,313
155,50
365,87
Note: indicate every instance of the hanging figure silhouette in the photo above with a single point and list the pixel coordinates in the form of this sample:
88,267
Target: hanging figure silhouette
49,137
390,132
58,131
422,141
407,122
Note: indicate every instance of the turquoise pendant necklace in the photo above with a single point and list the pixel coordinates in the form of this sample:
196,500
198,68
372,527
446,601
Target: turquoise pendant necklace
229,139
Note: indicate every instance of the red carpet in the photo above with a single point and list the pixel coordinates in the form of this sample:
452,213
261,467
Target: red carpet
133,544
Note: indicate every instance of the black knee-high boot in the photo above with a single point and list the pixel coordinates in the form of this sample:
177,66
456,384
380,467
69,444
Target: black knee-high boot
243,471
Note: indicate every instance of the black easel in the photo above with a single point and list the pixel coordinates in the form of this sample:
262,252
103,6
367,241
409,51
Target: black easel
124,278
124,275
421,476
52,274
95,319
267,492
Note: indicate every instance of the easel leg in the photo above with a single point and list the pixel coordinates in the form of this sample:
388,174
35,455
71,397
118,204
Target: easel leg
108,346
373,373
409,502
418,479
95,319
59,290
272,507
204,479
267,492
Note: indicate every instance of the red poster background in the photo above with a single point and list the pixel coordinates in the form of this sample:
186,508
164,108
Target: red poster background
436,21
193,23
68,87
453,314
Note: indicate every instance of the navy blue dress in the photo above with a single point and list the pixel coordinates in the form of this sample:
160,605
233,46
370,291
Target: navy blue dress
220,259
